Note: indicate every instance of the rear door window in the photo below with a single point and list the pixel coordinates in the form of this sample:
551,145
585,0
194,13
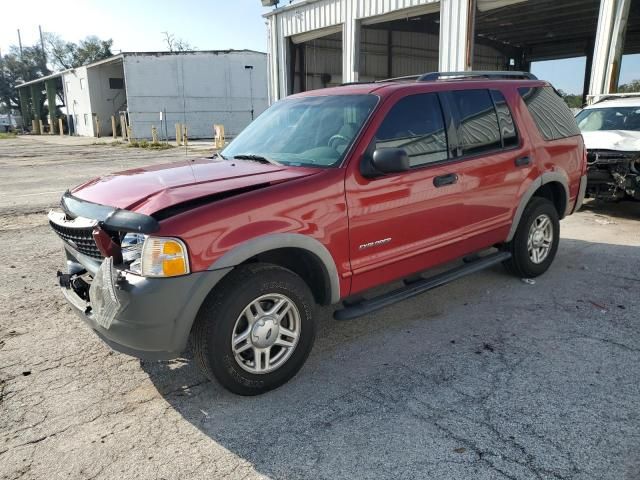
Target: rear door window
505,120
416,124
551,115
479,131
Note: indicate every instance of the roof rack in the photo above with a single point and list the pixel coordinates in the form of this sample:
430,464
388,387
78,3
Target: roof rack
495,74
398,79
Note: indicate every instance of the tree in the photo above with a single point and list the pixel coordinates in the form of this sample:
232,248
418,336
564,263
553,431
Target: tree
573,101
16,68
64,55
632,86
176,44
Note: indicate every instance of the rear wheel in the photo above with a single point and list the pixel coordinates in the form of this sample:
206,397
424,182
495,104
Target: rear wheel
536,240
256,329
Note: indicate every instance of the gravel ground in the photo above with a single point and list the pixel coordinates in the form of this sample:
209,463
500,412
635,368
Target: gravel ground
486,378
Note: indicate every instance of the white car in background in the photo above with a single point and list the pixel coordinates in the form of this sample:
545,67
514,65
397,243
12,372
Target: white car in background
611,131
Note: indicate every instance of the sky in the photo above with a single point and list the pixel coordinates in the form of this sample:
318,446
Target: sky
205,24
568,74
138,25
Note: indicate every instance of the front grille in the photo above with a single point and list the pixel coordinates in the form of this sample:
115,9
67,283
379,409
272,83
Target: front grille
604,157
79,238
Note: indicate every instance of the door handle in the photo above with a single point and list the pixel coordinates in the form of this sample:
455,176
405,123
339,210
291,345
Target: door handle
523,161
448,179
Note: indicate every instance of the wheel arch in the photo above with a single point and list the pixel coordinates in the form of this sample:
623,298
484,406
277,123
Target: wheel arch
304,255
551,185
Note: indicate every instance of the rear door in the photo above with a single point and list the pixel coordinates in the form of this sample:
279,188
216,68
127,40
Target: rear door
496,160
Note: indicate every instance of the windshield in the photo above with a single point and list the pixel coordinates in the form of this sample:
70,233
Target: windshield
612,118
305,131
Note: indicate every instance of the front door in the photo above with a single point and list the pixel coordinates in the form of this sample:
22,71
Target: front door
405,222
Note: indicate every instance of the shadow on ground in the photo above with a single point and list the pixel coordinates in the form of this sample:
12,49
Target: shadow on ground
486,378
628,209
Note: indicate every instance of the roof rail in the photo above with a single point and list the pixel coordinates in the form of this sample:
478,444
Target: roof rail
496,74
397,79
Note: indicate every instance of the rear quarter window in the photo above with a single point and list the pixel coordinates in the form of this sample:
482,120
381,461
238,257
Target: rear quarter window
551,115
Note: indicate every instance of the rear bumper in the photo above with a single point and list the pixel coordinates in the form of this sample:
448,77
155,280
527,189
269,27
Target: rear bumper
156,314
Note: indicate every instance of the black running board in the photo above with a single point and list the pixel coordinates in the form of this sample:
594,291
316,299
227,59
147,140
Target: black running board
416,287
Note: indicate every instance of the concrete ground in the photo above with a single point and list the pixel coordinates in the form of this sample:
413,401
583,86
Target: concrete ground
486,378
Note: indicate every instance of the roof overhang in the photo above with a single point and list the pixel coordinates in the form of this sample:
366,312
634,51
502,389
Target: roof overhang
40,80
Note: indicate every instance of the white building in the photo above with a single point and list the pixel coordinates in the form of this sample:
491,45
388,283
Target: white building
197,89
317,43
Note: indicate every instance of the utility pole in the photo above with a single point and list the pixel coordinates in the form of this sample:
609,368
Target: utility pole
44,55
20,43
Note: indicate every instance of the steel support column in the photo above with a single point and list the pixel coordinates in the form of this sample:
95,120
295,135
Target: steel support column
50,86
457,27
588,68
609,43
277,58
36,105
25,108
351,47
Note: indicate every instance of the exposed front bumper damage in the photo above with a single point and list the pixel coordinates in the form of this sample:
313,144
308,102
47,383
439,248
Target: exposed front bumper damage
148,318
154,316
613,175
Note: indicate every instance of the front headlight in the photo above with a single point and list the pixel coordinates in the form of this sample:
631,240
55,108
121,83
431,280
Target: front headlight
155,256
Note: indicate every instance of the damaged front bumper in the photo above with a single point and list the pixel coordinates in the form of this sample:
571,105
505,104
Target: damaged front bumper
613,175
148,318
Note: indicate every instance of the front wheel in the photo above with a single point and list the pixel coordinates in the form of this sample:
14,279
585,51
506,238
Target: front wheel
536,240
256,329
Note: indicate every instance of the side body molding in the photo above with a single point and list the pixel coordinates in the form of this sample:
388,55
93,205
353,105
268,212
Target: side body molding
546,177
284,240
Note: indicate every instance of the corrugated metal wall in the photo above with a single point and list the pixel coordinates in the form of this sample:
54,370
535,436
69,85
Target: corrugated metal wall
322,58
324,13
411,53
414,53
198,89
489,58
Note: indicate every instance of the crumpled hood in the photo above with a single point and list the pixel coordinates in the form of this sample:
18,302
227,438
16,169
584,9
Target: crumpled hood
151,189
621,140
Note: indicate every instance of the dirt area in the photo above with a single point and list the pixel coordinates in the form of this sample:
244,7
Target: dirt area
486,378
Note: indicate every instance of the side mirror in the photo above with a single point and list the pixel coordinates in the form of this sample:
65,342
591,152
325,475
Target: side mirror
384,161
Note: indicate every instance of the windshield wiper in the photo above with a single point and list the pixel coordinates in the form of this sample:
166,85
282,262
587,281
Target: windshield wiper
256,158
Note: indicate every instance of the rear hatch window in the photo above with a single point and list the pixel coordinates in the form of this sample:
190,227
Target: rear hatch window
551,114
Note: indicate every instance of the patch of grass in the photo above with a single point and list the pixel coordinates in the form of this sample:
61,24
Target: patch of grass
6,136
149,145
110,144
160,146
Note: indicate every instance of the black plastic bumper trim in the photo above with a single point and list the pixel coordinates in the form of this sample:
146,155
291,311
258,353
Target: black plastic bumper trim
110,217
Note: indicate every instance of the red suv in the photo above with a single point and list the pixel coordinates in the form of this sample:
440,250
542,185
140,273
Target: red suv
326,195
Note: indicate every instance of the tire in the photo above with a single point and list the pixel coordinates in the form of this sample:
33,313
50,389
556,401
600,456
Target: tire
224,318
523,261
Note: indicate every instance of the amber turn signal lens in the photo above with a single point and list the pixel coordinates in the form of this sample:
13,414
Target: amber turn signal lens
164,257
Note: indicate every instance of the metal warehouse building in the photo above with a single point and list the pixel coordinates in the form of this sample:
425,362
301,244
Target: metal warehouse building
197,89
320,43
